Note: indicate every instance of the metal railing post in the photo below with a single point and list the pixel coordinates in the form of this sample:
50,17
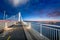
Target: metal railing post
40,29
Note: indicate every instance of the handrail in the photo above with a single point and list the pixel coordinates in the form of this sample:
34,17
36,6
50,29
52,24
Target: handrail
53,31
52,25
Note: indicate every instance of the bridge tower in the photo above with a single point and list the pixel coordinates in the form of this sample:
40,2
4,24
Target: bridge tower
20,17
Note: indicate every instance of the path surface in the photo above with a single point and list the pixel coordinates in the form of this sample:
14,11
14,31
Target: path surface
16,34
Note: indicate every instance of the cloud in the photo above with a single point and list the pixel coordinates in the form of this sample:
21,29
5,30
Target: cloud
55,13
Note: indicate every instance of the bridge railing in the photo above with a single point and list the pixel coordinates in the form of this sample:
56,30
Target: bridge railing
52,32
8,21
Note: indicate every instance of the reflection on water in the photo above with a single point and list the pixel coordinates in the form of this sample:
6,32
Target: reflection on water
36,26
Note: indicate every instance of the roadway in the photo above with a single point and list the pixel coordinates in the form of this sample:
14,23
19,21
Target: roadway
17,34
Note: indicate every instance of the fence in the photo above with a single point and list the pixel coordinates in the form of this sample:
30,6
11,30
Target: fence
52,32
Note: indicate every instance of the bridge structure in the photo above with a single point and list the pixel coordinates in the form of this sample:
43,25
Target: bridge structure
15,28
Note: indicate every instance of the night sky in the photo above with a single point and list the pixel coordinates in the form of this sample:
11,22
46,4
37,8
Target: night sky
31,9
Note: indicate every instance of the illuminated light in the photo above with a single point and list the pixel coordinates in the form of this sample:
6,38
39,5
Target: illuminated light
29,26
41,35
7,28
24,23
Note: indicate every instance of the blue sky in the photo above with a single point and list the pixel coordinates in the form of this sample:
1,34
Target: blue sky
32,9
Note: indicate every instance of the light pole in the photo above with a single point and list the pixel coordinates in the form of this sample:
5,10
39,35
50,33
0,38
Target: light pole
5,18
4,15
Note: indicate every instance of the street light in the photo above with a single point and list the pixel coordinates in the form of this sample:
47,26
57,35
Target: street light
4,15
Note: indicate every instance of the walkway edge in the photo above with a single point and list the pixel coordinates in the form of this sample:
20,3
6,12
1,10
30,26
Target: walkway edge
37,35
27,34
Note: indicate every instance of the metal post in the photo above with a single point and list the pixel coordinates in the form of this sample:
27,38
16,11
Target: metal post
40,29
56,34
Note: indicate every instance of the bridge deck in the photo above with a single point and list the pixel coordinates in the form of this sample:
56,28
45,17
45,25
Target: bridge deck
19,32
16,34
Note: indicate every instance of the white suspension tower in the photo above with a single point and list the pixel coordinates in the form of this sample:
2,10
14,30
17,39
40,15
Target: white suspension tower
19,15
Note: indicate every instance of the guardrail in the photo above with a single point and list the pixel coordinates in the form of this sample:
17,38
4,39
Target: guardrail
4,27
4,24
52,32
35,33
